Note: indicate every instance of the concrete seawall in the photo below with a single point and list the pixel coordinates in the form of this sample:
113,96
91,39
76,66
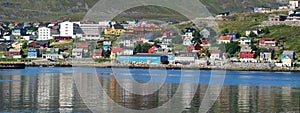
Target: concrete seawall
237,66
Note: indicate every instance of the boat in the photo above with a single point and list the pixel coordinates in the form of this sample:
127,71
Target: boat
12,65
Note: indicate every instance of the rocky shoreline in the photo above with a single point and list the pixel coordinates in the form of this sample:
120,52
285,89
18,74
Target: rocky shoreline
265,67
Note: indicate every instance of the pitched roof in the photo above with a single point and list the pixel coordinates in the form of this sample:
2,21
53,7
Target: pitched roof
216,52
83,45
288,52
225,38
116,50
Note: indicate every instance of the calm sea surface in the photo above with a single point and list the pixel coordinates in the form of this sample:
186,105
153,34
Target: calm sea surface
37,89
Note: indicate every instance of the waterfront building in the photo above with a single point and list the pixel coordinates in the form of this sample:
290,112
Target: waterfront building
144,59
14,53
215,55
33,53
52,54
128,51
266,55
98,53
185,57
115,52
287,61
77,53
247,55
291,54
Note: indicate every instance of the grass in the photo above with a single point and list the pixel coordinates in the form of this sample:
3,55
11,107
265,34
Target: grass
49,10
101,60
288,36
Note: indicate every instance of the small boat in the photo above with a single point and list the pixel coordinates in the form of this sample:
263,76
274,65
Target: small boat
12,65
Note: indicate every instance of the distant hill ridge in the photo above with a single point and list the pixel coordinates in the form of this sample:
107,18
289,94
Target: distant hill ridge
48,10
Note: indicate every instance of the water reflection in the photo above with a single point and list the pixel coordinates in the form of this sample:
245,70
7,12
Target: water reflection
58,93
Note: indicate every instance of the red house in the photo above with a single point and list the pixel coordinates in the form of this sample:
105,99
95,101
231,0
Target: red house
97,53
267,42
247,55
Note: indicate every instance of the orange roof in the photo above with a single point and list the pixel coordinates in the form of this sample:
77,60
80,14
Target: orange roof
225,38
116,50
215,52
288,52
83,45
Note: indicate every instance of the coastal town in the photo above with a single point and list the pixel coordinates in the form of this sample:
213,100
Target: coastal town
145,42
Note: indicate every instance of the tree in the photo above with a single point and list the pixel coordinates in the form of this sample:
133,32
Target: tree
145,47
232,48
24,44
138,48
106,53
224,31
266,30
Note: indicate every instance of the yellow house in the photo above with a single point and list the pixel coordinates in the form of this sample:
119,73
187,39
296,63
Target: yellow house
114,30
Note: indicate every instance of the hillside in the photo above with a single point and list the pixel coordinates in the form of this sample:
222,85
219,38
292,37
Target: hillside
47,10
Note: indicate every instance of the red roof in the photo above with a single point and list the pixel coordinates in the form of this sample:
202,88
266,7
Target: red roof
267,39
215,52
288,52
60,21
191,48
83,45
225,38
289,57
116,50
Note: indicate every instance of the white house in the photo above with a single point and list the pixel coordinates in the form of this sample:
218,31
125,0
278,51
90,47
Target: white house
16,32
246,41
77,53
294,4
127,43
8,37
287,61
44,33
187,41
205,33
128,51
215,54
28,37
188,35
68,29
257,32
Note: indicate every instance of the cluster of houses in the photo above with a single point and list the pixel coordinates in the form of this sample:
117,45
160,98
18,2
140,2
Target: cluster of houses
40,39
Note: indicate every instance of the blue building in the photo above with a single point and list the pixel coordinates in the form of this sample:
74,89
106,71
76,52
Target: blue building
143,58
233,35
290,54
32,53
